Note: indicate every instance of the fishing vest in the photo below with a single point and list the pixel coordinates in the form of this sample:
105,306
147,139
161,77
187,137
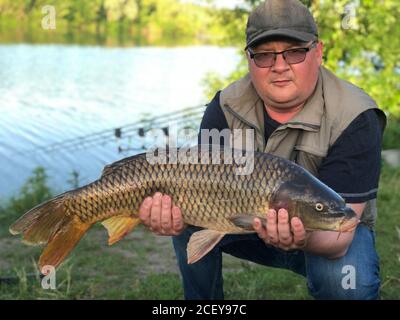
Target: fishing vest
308,136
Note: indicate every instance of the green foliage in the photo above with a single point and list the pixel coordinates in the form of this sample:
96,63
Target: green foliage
252,281
213,82
387,236
113,22
34,191
391,136
367,52
23,285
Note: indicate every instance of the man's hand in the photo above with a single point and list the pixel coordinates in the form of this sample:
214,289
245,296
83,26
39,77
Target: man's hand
161,216
281,233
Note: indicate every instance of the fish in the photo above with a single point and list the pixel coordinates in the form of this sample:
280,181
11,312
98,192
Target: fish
219,190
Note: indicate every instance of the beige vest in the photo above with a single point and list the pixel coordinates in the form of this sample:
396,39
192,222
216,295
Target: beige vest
307,137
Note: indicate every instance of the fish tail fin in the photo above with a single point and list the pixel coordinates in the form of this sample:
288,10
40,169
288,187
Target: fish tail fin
62,242
39,223
48,223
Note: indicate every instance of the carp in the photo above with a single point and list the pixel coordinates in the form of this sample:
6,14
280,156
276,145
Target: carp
212,190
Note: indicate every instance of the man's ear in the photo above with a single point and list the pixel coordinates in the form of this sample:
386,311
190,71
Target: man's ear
320,52
248,58
247,54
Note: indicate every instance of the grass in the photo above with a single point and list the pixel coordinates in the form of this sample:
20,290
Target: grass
391,136
387,232
142,266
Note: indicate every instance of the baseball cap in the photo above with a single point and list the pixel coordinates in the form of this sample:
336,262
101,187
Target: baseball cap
280,18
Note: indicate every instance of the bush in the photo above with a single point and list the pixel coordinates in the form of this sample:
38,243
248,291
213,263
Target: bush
391,136
33,192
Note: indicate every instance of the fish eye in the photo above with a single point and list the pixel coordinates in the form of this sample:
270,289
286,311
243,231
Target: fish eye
319,207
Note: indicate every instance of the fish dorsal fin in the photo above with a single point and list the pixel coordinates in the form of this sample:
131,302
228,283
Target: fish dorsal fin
119,226
245,221
110,168
107,170
201,243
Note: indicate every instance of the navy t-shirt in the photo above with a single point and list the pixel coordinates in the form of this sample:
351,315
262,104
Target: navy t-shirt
352,165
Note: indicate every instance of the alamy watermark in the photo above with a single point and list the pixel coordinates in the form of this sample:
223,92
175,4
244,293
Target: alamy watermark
349,280
349,20
237,148
49,19
49,279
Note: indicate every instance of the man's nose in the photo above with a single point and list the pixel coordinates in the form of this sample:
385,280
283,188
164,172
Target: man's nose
280,64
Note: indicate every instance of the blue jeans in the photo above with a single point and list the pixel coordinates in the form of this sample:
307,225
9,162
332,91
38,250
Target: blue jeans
354,276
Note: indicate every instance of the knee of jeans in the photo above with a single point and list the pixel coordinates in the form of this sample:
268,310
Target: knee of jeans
344,286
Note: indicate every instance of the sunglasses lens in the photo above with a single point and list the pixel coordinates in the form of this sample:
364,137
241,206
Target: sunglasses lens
295,56
264,60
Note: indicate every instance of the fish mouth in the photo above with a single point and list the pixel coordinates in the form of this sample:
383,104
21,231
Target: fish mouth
349,221
348,224
349,212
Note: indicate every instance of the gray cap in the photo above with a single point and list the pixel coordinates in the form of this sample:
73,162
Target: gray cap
280,18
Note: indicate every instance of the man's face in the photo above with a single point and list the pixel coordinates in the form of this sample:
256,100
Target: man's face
283,85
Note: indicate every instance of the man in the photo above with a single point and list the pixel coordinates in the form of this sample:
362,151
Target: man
301,111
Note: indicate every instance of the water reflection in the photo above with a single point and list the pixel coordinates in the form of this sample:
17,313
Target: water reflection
52,93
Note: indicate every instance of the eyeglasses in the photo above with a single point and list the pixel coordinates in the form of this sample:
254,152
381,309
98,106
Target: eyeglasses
291,56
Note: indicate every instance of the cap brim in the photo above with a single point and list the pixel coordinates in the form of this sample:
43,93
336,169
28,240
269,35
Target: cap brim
284,33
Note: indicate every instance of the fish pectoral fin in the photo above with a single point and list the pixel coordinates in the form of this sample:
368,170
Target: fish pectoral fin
201,243
245,221
119,226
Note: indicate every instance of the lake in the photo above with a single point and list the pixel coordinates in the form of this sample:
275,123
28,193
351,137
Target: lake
52,93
